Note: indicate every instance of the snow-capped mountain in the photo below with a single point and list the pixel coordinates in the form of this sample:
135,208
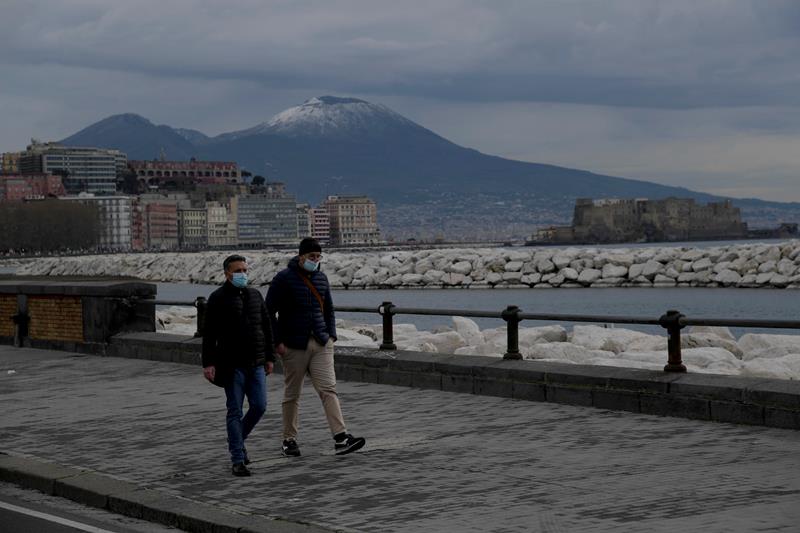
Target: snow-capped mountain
328,116
334,145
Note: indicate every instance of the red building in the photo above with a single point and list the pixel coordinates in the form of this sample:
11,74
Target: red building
15,188
184,175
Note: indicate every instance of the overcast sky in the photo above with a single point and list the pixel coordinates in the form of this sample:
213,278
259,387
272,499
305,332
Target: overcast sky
697,93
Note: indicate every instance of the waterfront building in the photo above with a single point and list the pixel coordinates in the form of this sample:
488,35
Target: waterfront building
221,224
192,228
9,163
155,221
82,169
115,219
265,219
320,225
353,220
303,221
185,175
18,187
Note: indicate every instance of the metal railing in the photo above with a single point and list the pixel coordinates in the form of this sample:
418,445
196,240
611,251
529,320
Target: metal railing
672,321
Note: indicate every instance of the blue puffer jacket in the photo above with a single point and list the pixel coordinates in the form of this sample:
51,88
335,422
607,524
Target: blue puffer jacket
298,312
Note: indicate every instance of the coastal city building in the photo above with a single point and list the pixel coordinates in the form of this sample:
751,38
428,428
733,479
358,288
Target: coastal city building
221,225
321,225
159,174
154,221
353,220
115,219
82,169
303,221
192,228
16,187
9,163
265,219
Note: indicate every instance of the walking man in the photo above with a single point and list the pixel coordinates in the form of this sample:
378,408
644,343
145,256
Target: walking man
238,354
304,331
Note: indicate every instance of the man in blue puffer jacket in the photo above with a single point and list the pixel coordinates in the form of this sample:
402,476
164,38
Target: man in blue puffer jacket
304,331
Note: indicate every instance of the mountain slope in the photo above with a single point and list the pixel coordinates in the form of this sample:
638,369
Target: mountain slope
137,137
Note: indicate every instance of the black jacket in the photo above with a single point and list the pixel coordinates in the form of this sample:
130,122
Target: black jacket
237,331
299,314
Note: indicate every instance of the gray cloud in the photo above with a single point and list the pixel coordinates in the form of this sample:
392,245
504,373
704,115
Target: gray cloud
648,75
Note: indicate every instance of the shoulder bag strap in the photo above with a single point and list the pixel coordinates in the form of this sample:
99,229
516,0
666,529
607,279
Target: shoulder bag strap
314,291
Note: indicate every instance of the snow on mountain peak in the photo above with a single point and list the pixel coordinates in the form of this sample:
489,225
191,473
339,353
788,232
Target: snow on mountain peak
331,115
327,116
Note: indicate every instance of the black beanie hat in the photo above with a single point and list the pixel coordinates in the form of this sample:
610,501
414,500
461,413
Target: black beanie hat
309,245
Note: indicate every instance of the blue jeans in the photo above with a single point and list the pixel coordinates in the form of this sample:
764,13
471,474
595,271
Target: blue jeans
252,383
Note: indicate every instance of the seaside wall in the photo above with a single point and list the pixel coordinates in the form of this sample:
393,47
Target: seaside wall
738,265
757,401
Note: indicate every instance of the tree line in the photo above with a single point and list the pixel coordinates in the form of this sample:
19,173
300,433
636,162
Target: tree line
48,226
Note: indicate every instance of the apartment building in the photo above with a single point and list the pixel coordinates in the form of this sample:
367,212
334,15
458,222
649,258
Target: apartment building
265,219
115,219
82,169
9,163
192,228
353,220
221,225
320,225
16,187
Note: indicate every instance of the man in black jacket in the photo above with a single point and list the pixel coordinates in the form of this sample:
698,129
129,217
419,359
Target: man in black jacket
304,330
238,354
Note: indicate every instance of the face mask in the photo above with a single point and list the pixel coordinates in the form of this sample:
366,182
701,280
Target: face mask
239,279
310,265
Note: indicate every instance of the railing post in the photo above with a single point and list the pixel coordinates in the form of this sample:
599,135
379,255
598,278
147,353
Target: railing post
21,321
671,320
511,316
386,310
201,304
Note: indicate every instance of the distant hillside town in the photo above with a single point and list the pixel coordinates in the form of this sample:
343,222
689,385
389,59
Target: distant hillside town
123,205
616,220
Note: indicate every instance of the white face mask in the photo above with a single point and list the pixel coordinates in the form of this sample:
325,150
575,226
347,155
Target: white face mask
310,265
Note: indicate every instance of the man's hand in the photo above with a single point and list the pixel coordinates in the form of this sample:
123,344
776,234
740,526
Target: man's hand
280,349
268,367
209,372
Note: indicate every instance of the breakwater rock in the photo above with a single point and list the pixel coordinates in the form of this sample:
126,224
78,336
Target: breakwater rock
705,349
758,265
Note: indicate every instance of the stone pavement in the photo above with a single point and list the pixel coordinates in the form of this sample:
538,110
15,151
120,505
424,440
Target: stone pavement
434,461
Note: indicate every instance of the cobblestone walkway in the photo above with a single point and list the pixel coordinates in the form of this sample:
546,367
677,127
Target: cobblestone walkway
434,461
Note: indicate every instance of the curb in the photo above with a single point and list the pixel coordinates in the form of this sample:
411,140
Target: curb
121,497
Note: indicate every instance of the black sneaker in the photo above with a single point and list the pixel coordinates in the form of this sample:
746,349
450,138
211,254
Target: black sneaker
239,470
290,448
346,443
246,457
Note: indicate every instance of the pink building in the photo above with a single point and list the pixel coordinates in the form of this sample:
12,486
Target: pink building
15,188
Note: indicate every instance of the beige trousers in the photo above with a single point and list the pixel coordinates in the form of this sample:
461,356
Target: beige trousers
316,361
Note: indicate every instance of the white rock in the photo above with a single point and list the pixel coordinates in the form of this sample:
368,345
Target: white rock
719,331
608,339
493,278
563,352
727,277
569,273
461,267
589,276
545,267
753,342
468,330
651,268
702,264
614,271
705,340
514,266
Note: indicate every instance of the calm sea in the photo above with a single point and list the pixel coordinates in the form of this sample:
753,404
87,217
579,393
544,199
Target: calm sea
630,301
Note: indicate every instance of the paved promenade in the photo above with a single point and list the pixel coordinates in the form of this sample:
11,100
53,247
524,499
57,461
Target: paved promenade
434,461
